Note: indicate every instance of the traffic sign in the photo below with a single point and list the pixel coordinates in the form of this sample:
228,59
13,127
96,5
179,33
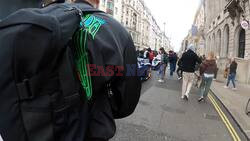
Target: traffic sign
245,24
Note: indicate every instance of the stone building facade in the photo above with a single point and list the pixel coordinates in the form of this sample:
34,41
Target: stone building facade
155,39
225,36
199,30
196,34
136,17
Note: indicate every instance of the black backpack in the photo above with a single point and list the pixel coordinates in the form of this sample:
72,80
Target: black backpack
41,98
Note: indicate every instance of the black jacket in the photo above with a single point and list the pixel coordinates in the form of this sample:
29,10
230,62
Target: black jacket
189,59
233,67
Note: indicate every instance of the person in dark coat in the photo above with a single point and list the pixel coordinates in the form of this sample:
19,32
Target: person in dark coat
189,60
179,70
172,60
232,74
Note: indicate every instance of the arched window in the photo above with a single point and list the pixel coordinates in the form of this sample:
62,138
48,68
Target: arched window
226,41
208,45
213,46
218,45
242,44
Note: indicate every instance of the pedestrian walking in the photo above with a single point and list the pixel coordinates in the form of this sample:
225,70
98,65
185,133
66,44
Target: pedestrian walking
179,69
151,55
172,61
164,62
208,69
189,59
232,74
227,68
217,69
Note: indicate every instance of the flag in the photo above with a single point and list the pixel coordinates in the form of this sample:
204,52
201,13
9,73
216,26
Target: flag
194,30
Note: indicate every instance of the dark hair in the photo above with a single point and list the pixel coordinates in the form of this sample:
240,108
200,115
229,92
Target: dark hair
149,49
163,50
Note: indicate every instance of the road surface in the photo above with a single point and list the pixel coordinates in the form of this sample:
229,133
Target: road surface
162,116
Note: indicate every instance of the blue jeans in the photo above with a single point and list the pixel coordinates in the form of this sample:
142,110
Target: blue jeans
231,77
162,71
172,68
205,86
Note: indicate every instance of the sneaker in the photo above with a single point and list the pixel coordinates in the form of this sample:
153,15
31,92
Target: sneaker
179,78
186,97
201,99
226,87
161,81
182,97
234,89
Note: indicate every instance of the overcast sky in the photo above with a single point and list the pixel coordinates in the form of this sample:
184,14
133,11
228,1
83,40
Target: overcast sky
178,15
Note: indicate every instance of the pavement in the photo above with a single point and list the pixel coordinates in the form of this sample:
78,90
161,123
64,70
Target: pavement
162,116
235,102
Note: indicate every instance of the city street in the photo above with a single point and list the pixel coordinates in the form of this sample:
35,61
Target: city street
162,116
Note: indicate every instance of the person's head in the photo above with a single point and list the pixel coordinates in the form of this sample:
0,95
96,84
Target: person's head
149,50
210,56
232,60
162,50
94,3
191,47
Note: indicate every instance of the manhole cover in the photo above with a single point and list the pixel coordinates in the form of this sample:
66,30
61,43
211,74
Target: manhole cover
211,117
172,110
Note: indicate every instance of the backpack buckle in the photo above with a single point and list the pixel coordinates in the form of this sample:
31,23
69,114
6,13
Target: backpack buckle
24,90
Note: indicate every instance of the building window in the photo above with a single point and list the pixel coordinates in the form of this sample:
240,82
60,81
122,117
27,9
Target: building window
242,41
226,41
110,7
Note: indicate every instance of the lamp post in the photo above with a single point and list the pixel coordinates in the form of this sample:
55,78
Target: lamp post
164,28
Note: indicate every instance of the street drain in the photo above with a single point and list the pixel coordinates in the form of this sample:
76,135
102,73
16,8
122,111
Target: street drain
211,117
172,110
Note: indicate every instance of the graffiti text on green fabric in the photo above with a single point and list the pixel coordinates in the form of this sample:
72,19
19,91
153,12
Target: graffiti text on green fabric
92,24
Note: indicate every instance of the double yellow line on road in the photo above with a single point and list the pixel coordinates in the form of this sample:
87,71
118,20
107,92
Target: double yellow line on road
224,118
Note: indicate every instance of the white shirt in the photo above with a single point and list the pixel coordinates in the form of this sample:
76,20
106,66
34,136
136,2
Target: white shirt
208,75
